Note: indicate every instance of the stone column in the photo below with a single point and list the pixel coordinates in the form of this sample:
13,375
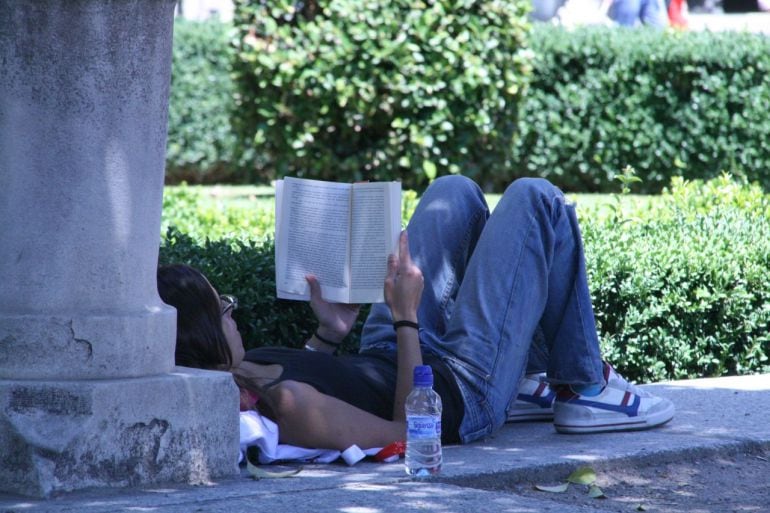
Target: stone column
89,395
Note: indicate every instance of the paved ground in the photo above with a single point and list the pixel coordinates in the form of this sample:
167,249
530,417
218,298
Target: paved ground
718,421
758,22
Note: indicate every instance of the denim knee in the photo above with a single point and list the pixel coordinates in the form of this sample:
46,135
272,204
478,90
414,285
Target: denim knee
456,188
529,187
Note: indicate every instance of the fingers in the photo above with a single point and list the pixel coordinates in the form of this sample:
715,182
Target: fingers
404,257
393,264
315,287
404,282
390,277
405,264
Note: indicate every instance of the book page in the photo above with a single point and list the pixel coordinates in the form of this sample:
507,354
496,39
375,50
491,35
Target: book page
312,237
375,227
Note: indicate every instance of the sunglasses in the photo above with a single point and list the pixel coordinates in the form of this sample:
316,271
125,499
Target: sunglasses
228,302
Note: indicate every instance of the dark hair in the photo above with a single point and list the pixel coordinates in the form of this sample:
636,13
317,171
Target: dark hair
200,341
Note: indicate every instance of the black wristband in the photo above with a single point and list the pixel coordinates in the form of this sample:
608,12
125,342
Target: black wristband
407,324
326,340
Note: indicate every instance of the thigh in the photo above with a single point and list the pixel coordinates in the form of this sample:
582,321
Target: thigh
654,13
443,232
525,275
626,12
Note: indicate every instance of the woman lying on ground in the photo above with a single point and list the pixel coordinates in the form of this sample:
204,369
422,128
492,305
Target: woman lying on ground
480,287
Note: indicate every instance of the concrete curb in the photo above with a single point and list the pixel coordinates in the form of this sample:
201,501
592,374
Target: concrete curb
715,417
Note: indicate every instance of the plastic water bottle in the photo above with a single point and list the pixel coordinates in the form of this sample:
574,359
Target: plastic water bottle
423,425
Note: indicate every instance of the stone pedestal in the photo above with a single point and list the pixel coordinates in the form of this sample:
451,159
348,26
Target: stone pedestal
64,435
88,391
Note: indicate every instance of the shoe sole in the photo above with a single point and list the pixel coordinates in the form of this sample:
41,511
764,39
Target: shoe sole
530,417
630,424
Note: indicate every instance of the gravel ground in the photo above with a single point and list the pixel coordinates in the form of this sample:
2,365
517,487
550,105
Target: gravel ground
736,483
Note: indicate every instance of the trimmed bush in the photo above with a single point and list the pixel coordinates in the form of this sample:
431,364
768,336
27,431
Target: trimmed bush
202,147
668,103
681,286
233,247
189,211
693,104
246,269
381,89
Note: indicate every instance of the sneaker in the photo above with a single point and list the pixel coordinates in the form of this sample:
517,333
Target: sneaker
534,401
620,406
615,380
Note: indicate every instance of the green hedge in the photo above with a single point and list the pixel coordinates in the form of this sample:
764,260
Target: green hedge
246,269
202,146
668,103
381,89
681,285
376,106
232,245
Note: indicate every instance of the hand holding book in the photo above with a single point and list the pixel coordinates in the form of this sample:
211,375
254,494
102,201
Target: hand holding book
335,319
340,233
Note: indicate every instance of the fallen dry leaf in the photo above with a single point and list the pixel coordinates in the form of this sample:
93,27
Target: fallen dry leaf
553,489
583,475
596,493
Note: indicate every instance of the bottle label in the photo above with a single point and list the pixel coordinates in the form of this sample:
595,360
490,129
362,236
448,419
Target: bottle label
423,426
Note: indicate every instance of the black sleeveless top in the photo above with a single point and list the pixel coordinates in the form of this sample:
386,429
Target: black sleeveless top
365,380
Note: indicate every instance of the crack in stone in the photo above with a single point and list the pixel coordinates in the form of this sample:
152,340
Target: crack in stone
81,341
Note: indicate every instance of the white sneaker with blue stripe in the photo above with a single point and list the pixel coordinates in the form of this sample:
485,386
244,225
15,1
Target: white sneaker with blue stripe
534,400
620,406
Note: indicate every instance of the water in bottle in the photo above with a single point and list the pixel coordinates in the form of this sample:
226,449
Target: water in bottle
423,419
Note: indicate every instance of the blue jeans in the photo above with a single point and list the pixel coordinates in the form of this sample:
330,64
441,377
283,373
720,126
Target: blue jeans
647,12
491,283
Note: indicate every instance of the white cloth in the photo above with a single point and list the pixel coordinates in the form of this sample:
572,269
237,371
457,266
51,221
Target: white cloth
262,432
583,12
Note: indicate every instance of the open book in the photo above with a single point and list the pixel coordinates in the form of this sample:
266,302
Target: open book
341,233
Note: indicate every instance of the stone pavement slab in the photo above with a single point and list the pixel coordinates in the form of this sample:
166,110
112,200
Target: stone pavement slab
714,416
757,22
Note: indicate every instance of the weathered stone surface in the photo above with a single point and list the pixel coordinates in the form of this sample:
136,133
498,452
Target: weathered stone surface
88,392
83,107
84,346
67,435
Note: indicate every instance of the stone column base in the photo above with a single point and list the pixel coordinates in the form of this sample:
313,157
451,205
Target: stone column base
87,346
67,435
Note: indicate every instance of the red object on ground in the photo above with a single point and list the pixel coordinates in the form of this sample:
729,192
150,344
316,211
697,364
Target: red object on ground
391,452
677,13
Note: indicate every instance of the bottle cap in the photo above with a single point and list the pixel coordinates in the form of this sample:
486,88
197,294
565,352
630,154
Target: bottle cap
423,376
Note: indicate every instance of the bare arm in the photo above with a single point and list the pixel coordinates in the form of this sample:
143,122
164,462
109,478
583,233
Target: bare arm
308,418
403,290
409,356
